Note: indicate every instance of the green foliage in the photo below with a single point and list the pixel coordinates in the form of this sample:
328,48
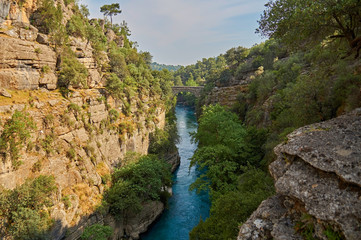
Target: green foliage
113,115
332,235
160,67
162,142
72,72
15,134
206,69
115,86
76,26
97,232
23,209
229,153
136,183
67,2
307,22
45,69
49,21
66,201
224,146
111,10
234,207
71,153
47,143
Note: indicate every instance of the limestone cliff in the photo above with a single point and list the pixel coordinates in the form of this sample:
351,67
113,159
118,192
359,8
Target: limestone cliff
79,139
318,182
76,143
28,58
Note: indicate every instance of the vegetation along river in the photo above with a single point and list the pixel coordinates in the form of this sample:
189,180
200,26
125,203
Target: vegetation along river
185,207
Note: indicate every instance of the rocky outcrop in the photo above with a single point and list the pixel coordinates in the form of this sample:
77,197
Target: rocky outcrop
27,58
226,94
26,65
318,180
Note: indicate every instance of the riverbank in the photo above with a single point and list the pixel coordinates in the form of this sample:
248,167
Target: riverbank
184,208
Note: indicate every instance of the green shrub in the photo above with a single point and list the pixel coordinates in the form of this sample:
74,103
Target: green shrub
49,21
66,201
113,115
71,154
15,134
47,143
234,207
37,50
23,209
115,86
76,26
97,232
75,109
72,72
137,183
45,69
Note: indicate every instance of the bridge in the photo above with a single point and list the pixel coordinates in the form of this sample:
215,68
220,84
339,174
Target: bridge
195,90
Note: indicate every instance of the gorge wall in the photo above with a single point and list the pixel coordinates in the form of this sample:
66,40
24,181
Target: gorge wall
79,139
317,178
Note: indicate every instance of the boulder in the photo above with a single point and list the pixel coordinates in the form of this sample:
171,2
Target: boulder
4,93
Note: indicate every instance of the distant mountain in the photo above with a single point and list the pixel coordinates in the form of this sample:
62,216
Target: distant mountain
157,66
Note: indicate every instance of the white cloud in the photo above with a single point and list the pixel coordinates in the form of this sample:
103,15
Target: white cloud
172,30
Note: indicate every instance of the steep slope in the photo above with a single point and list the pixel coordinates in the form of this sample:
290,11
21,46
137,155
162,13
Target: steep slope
78,139
317,179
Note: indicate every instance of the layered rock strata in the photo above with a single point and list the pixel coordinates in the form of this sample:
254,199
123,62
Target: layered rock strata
76,143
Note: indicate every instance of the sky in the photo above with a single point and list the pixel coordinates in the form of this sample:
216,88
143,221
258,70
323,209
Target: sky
180,32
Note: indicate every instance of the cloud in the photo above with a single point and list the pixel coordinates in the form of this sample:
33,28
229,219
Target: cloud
175,30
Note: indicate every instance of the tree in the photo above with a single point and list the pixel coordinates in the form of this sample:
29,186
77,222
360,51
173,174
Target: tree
178,81
190,82
84,10
303,22
136,183
110,10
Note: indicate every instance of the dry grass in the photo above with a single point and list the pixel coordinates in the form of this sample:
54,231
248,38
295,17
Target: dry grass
87,199
102,169
23,96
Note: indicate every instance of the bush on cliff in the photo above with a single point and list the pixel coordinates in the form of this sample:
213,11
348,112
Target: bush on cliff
72,72
137,183
15,134
24,211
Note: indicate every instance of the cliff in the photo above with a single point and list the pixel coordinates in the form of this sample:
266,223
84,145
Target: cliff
318,182
79,139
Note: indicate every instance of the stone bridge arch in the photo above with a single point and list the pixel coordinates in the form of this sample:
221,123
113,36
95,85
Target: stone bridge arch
195,90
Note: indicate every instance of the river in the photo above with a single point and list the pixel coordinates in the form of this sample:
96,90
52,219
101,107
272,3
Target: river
185,207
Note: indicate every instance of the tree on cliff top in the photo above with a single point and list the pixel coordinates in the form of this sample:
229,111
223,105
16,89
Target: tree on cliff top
302,23
110,10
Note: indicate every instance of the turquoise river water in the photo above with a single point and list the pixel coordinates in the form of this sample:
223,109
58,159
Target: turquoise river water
185,207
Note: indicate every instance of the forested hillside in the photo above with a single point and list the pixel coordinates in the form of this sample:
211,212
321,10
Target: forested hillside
308,71
159,67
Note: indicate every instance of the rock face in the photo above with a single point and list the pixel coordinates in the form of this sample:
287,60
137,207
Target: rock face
27,58
82,148
227,94
26,65
318,181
